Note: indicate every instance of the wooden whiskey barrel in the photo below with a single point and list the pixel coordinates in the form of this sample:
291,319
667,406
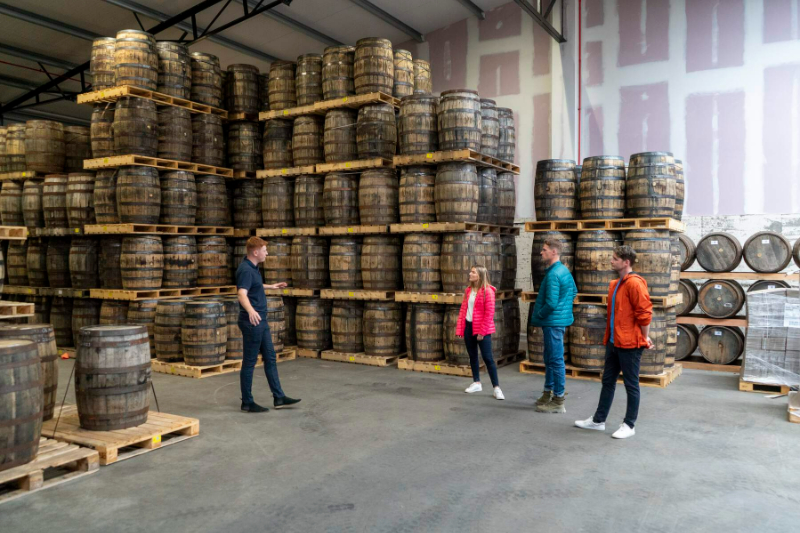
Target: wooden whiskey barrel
417,124
167,330
764,251
416,198
212,262
138,195
675,263
490,128
247,204
54,200
178,198
57,263
180,262
688,291
277,202
650,187
313,323
241,95
80,199
41,309
424,332
206,79
538,268
653,258
83,263
721,345
376,131
309,210
101,131
456,192
347,326
508,258
455,350
512,325
653,361
340,199
307,141
204,333
672,337
109,262
208,142
487,198
290,315
282,85
378,200
21,402
459,117
460,251
337,72
212,201
143,312
593,251
113,312
687,251
136,127
61,319
36,262
234,345
687,335
174,69
43,336
554,189
11,212
142,262
136,60
383,328
174,133
3,154
421,261
263,92
766,285
373,66
499,330
15,148
720,298
278,264
422,77
17,263
244,146
102,67
276,320
45,150
308,79
506,199
309,262
381,263
85,312
277,144
491,257
403,74
796,252
719,252
339,136
32,211
78,146
680,190
602,187
345,262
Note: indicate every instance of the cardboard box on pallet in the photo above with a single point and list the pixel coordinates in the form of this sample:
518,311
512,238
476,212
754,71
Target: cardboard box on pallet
772,347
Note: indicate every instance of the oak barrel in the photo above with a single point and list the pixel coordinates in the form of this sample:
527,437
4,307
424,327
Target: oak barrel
381,263
17,263
109,261
554,189
234,344
247,204
347,326
593,251
41,309
180,262
78,146
506,199
653,258
672,337
142,262
138,195
32,211
178,198
339,136
175,133
687,341
36,262
680,190
423,330
538,267
422,77
421,262
721,345
687,251
403,74
490,128
85,312
136,60
277,202
719,252
212,201
721,298
308,79
136,127
278,264
290,316
167,330
416,194
460,251
21,402
459,118
57,263
378,197
417,125
373,66
308,141
455,349
54,200
764,251
688,291
15,148
113,312
376,131
508,258
101,131
83,263
313,323
602,187
45,150
212,262
244,146
766,285
487,198
277,144
282,88
337,72
456,192
80,199
204,333
276,320
102,68
345,262
174,69
340,199
796,252
309,262
45,339
61,319
208,141
512,324
11,213
144,312
206,79
653,361
309,210
383,328
241,90
491,257
650,186
535,342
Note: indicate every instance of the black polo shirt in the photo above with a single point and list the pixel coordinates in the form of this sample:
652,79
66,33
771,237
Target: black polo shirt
248,276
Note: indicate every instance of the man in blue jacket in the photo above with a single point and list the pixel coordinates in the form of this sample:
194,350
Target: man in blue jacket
553,313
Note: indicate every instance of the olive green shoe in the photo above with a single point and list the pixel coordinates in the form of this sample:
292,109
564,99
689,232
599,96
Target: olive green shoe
554,406
545,398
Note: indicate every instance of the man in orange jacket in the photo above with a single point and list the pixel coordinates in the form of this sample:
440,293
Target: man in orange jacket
627,335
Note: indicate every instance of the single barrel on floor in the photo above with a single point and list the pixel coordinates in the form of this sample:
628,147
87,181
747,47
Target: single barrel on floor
204,333
21,402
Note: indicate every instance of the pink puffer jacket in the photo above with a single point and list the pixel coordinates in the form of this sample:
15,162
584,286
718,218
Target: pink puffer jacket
482,313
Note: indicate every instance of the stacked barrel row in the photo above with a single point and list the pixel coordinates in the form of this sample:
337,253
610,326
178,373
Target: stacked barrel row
43,146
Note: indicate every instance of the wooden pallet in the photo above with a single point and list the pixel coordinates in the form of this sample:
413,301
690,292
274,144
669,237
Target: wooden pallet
159,294
356,294
243,233
286,232
781,276
14,289
292,291
237,117
354,230
354,102
290,113
207,371
361,358
448,156
13,233
156,229
763,388
155,162
308,354
63,460
244,174
793,408
54,232
610,224
443,227
161,429
694,362
602,299
16,309
286,172
65,293
115,93
450,369
661,380
351,166
448,297
703,320
24,175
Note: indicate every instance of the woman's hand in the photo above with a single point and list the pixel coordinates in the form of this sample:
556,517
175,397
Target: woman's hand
480,338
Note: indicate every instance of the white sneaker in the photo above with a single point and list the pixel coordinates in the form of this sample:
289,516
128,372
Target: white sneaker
589,423
498,394
624,432
475,387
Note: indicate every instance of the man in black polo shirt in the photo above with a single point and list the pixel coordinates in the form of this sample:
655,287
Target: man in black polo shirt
255,330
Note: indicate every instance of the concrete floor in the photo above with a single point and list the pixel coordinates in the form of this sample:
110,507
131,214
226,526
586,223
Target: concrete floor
379,450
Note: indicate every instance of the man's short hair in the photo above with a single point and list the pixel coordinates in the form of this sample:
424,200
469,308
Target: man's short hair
554,244
254,243
626,253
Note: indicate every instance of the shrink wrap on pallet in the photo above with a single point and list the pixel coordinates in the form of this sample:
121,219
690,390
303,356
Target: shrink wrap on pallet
772,348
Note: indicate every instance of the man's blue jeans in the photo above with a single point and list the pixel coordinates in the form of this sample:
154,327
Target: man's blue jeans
258,339
554,371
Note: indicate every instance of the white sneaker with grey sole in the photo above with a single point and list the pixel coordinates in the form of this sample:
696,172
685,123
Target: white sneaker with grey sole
624,432
498,394
475,387
589,423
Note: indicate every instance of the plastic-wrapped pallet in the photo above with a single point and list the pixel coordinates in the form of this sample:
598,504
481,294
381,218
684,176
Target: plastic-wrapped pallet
772,349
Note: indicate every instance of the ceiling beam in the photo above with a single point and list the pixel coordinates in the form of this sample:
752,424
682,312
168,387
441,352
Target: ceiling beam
389,19
476,10
35,57
46,22
541,21
222,41
18,83
294,24
28,114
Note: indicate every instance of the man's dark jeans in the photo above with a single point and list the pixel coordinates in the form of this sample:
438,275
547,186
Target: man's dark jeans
258,339
628,361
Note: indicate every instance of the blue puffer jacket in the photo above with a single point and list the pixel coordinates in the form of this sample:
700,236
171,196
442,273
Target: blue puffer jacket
554,302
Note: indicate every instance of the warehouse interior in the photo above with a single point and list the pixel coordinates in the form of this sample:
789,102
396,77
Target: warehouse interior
695,103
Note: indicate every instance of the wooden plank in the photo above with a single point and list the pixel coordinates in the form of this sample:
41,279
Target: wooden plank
286,232
602,299
763,388
155,162
115,93
361,358
793,408
244,174
698,363
354,230
207,371
55,232
65,293
156,229
467,156
349,166
237,117
13,233
703,320
159,294
14,289
438,227
287,172
292,112
610,224
428,297
64,462
16,309
354,102
450,369
781,276
356,294
23,175
243,233
309,354
572,372
292,291
161,429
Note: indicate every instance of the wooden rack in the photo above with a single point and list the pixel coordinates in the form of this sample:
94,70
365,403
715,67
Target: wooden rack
608,224
456,156
115,93
156,229
320,108
602,299
116,161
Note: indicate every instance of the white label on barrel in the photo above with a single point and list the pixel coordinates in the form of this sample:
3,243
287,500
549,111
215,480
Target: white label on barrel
718,333
718,287
679,333
714,242
770,286
764,241
727,304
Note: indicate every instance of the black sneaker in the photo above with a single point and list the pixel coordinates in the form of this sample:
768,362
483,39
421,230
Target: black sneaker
254,408
280,403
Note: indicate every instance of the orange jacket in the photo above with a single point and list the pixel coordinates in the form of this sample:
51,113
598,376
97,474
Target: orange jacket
632,309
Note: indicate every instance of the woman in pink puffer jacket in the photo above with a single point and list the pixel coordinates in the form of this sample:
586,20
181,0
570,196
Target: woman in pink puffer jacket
476,325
